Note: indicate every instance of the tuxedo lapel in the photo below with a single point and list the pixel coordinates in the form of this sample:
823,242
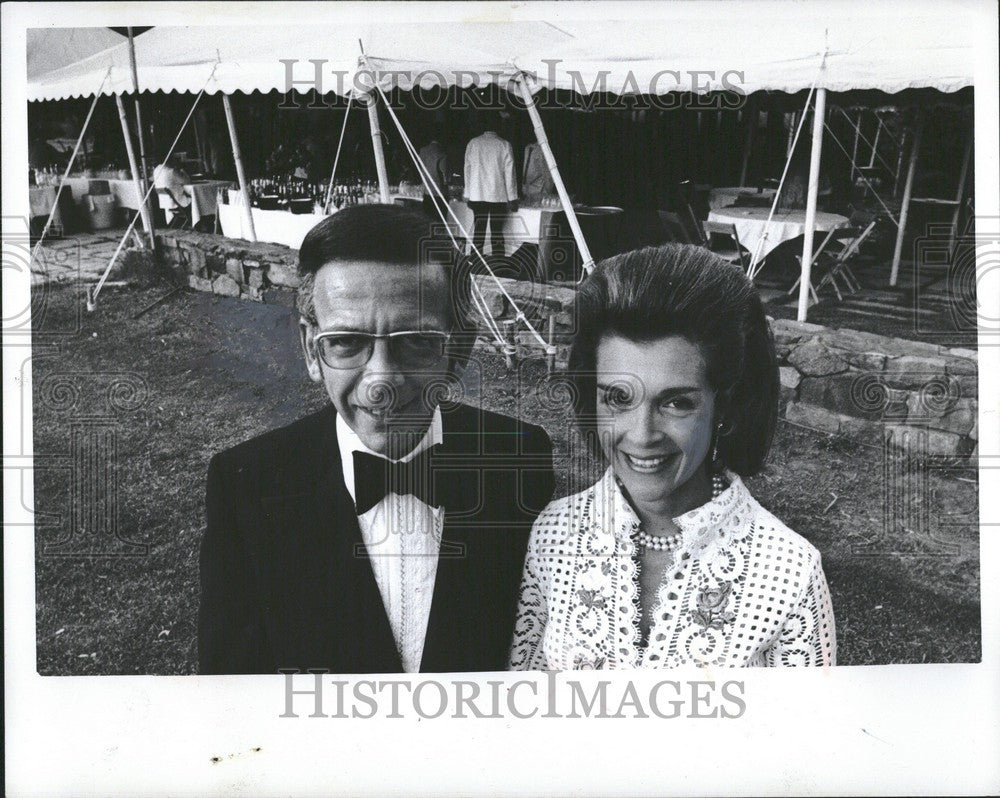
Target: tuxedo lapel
326,610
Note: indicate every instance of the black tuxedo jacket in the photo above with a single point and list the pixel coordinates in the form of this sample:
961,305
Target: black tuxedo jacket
285,576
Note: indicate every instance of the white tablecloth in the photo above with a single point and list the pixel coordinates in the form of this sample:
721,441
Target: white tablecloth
727,195
204,197
283,227
202,194
124,191
751,225
41,200
521,227
276,227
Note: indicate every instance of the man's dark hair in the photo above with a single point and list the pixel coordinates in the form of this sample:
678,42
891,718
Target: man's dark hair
656,292
384,234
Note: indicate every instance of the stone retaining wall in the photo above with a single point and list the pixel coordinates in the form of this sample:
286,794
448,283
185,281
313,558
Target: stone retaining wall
231,267
839,381
864,386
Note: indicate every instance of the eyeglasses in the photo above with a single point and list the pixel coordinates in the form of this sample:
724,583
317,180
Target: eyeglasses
410,348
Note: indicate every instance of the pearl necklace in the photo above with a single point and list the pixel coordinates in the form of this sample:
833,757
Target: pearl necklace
671,542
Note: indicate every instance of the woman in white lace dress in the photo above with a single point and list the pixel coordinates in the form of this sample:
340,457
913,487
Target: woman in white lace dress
668,560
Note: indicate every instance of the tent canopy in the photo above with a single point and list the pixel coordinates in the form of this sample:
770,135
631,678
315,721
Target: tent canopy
689,45
250,59
698,49
53,48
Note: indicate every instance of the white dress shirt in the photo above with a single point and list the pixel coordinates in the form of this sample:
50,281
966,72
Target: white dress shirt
403,538
489,169
166,176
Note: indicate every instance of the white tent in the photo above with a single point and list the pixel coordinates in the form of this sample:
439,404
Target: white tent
49,49
679,46
688,45
698,46
250,58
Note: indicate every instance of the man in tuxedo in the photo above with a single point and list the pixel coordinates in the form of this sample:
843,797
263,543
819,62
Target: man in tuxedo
387,532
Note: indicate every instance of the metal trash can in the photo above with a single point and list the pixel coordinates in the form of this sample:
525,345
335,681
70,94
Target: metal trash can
99,210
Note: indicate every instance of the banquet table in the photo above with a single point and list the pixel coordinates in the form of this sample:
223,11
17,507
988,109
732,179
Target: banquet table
276,227
752,225
204,197
202,193
41,199
521,227
727,195
283,227
124,191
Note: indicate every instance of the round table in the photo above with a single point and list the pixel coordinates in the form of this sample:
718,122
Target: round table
752,226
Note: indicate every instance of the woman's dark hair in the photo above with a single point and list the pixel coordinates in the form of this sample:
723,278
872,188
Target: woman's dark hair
687,291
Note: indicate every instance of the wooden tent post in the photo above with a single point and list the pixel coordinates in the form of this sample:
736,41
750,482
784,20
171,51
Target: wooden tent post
550,160
383,174
134,167
144,169
904,211
819,115
238,159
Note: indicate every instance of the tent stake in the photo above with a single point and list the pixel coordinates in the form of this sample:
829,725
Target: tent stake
819,115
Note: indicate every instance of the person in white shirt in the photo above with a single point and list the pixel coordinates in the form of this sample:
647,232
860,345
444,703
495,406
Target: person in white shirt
173,179
490,185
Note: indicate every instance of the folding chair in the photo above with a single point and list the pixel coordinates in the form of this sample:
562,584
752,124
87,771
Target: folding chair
839,263
724,241
817,251
176,215
834,254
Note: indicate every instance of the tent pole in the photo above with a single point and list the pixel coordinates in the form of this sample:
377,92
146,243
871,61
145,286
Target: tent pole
904,211
819,117
143,162
791,133
198,146
752,120
238,159
878,132
963,175
383,175
134,167
543,142
899,163
854,150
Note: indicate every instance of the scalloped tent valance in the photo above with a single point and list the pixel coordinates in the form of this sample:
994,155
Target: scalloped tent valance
690,45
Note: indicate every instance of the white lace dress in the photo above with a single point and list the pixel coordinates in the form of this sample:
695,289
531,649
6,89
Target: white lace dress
744,590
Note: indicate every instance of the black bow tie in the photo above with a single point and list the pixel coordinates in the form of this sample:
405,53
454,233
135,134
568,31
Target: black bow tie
375,478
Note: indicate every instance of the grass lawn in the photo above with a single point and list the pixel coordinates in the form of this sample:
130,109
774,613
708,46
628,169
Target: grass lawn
117,548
